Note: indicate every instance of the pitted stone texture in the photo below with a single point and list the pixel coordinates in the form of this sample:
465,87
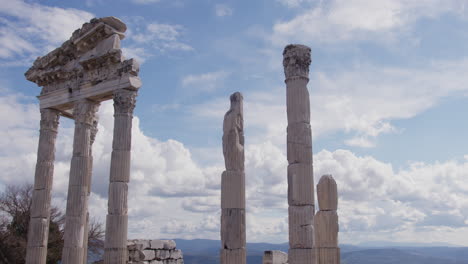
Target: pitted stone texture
301,256
233,189
300,184
233,228
328,255
298,153
297,101
301,228
327,193
233,256
275,257
153,251
326,229
233,134
296,60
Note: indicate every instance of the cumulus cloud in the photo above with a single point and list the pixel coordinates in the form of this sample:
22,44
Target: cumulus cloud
345,20
39,29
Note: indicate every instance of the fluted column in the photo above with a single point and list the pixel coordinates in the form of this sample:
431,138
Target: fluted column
38,232
94,131
115,251
326,222
77,202
296,62
233,185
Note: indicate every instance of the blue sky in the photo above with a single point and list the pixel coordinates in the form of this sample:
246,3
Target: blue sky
388,90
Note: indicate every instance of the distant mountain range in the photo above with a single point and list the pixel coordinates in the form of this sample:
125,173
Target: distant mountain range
204,251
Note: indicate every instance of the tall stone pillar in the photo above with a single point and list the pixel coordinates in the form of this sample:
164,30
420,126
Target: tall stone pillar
115,245
326,222
233,237
296,62
40,209
94,131
84,112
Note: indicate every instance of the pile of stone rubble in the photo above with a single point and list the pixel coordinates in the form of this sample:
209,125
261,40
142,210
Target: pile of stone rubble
154,252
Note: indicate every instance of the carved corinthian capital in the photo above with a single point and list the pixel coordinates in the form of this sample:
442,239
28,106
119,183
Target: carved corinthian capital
49,119
94,129
85,111
296,61
124,101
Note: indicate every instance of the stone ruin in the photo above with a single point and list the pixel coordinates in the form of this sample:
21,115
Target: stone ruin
75,78
154,251
89,68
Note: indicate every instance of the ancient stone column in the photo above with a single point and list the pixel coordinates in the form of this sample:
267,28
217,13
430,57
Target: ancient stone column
326,222
38,232
77,202
274,257
233,237
94,131
296,62
115,245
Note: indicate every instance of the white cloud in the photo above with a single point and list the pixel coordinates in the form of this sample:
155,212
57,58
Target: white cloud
222,10
344,20
205,82
34,28
148,36
293,3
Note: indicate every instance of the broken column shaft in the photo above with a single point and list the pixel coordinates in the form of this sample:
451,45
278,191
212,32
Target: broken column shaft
233,185
296,62
326,222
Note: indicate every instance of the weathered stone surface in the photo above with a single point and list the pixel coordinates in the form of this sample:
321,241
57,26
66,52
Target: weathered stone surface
118,226
116,255
275,257
153,251
120,166
328,255
296,61
39,232
40,208
298,153
327,193
297,101
233,189
233,256
77,201
301,256
118,194
301,228
233,228
326,229
73,233
300,184
233,134
299,133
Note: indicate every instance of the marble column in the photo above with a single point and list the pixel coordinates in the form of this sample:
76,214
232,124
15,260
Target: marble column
326,222
94,131
233,237
84,112
38,232
296,62
115,245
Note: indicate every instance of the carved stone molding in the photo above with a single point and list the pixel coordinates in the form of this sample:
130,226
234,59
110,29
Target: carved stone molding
94,129
296,61
49,119
85,111
124,101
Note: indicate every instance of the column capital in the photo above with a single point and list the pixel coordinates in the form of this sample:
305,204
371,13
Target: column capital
296,61
124,101
49,119
84,111
94,128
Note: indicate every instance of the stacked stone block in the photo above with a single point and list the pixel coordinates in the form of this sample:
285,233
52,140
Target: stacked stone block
154,252
296,62
275,257
233,237
326,222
